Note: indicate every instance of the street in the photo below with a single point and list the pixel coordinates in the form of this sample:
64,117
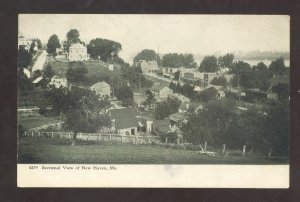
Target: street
38,65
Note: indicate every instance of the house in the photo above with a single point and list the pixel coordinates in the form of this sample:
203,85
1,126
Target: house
161,91
177,119
162,126
124,121
78,52
58,82
102,89
150,67
186,106
221,90
182,98
139,99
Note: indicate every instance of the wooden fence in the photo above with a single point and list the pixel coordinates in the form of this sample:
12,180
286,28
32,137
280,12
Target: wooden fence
135,139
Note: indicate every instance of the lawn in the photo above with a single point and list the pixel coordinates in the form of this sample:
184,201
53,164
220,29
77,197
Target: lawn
36,122
59,151
60,67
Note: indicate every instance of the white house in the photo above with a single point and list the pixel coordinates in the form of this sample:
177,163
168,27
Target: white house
102,89
58,82
148,67
78,52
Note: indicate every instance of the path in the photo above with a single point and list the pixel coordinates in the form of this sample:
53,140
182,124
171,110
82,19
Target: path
39,64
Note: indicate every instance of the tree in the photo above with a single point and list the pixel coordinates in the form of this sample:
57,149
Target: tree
77,73
277,66
219,81
72,38
166,108
209,64
52,44
228,59
239,66
147,55
104,48
24,58
177,75
277,129
187,90
177,60
125,94
207,94
260,67
82,109
48,72
150,98
172,86
211,124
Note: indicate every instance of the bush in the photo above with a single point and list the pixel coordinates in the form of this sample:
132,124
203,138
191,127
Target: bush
172,137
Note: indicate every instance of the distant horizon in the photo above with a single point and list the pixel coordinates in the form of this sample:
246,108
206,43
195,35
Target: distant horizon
196,34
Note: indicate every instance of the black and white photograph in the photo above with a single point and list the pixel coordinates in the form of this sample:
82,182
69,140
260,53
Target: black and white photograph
142,90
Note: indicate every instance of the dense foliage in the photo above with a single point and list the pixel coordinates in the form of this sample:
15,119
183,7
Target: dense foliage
221,123
209,64
53,43
177,60
103,49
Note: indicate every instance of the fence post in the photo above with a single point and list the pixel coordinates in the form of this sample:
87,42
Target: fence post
244,150
109,137
166,140
25,134
224,147
205,145
32,133
52,135
270,152
137,139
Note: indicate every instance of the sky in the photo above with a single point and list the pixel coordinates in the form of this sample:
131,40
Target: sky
196,34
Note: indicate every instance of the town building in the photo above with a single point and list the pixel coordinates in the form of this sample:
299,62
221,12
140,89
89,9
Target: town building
124,121
148,67
162,126
161,91
58,82
78,52
102,89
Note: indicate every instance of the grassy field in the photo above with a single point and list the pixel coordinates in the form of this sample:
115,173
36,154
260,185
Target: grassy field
60,67
57,151
33,123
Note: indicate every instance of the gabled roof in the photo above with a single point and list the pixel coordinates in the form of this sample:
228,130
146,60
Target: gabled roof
177,117
280,79
162,126
158,87
100,85
123,113
126,123
77,45
37,79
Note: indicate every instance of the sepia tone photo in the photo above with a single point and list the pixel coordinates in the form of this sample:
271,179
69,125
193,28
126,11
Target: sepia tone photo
153,89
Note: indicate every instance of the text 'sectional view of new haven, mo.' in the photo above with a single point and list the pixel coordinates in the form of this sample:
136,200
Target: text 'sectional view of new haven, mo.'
153,89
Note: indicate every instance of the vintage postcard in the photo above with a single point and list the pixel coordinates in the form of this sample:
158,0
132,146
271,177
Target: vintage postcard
115,100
